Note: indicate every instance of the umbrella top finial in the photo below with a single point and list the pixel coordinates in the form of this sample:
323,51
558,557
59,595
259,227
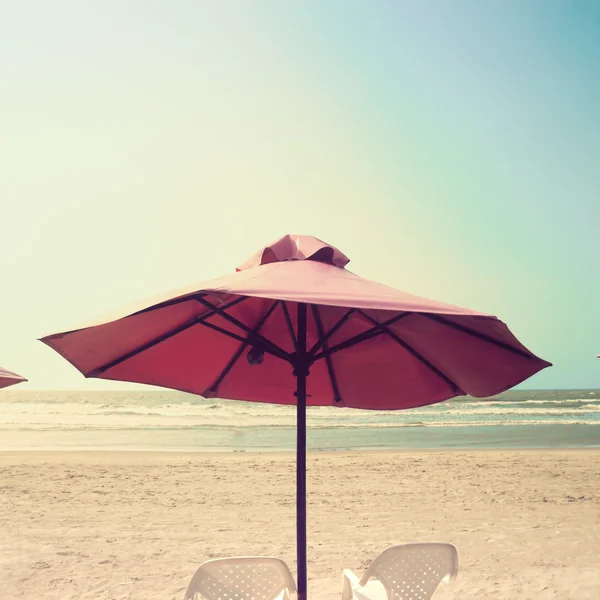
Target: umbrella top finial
297,247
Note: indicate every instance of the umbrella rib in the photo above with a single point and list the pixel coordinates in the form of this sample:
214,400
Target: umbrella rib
213,389
290,325
361,337
323,338
156,341
417,355
241,339
477,334
334,386
264,343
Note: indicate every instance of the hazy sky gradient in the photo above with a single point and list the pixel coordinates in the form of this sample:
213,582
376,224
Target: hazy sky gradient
451,149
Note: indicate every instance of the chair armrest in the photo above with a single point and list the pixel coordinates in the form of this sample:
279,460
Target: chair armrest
349,581
353,589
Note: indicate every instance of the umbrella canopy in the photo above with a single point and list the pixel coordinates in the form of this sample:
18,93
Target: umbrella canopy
8,378
369,346
312,332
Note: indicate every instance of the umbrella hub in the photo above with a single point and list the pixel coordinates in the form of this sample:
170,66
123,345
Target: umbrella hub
301,368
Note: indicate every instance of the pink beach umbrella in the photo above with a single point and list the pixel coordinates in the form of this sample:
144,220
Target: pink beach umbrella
294,326
8,378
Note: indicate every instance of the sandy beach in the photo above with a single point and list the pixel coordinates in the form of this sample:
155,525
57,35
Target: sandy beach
136,525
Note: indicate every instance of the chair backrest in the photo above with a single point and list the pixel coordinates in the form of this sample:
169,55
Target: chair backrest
242,578
413,571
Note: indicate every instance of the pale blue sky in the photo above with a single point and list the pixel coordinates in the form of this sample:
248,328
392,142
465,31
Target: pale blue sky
451,149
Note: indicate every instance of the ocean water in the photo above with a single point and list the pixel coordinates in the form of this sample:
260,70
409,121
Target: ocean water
164,420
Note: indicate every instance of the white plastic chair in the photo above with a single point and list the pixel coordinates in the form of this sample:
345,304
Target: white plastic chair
242,578
406,572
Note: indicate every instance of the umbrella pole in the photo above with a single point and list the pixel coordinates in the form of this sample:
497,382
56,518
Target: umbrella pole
301,369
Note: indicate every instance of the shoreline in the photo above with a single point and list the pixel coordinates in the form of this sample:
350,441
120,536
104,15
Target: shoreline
235,454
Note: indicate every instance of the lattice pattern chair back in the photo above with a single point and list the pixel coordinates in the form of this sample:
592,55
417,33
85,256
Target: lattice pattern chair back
413,571
242,578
